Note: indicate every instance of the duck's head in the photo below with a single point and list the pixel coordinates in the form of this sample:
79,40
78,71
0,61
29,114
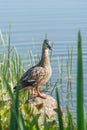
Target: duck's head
47,44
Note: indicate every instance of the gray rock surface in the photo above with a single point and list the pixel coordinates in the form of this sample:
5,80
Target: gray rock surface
47,106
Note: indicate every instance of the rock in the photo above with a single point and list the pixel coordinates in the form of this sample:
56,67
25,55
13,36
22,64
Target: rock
47,106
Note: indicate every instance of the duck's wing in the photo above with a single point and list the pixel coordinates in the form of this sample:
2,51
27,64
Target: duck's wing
23,82
32,77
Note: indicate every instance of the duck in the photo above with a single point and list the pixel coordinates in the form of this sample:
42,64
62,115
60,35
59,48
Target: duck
38,75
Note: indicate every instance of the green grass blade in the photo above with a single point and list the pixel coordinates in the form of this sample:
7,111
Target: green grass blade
30,57
59,111
35,120
21,122
55,85
2,38
70,125
8,43
14,121
80,87
0,127
46,36
70,64
45,123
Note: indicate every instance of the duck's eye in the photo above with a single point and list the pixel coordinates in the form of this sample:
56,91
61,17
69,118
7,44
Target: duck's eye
47,43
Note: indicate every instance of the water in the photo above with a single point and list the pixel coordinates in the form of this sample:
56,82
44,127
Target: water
31,20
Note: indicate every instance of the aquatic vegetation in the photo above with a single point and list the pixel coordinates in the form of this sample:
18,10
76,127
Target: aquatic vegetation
14,113
60,68
69,64
81,119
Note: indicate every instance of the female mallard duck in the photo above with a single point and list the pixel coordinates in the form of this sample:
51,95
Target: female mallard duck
39,74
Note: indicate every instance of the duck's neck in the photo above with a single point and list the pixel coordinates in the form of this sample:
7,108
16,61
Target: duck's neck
45,59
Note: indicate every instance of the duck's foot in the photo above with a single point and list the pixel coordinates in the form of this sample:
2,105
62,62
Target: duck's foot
41,95
34,92
38,93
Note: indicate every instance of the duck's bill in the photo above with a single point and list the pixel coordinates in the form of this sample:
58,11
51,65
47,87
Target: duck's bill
50,48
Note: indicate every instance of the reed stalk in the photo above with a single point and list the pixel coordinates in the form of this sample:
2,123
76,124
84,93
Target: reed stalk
81,124
61,126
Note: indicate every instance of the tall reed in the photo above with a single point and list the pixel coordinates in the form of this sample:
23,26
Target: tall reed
69,64
81,124
61,126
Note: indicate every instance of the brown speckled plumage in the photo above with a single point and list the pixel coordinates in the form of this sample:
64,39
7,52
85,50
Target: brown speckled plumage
40,73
